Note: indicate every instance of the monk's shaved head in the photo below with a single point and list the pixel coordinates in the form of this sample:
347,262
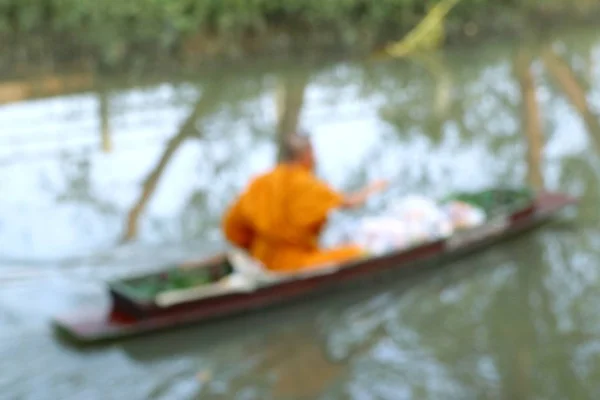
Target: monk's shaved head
295,147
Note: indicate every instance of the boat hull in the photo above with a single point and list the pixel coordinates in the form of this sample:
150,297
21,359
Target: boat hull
87,326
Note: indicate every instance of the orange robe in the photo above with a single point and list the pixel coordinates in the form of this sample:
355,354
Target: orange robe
279,217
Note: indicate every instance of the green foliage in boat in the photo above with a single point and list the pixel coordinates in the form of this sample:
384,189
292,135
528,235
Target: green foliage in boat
496,201
175,279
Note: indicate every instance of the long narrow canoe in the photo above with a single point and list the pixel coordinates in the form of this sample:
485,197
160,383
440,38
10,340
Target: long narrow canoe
134,313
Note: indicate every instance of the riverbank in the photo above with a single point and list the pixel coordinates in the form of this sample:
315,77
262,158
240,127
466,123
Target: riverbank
140,33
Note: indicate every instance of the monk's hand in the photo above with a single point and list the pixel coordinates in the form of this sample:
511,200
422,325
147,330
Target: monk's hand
359,199
378,186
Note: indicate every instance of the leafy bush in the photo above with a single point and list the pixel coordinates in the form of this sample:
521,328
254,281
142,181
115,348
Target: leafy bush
113,26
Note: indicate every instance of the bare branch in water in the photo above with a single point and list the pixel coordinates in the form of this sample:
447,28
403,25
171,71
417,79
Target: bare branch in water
186,130
103,111
532,122
289,101
564,76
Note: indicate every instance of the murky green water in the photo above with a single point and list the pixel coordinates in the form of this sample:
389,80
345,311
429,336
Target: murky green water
80,172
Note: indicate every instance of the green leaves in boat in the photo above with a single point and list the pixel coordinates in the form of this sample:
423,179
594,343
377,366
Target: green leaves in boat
150,286
496,201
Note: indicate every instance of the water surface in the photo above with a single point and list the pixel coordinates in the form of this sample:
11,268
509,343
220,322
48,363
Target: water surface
115,178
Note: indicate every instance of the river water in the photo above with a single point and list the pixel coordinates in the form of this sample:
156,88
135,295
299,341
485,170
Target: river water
127,175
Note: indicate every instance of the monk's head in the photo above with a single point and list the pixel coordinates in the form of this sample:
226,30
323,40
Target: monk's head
298,149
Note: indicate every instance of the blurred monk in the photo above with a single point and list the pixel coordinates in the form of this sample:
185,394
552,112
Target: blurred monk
280,215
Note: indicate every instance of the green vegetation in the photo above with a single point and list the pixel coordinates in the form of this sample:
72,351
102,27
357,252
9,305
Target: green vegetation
175,279
497,201
114,28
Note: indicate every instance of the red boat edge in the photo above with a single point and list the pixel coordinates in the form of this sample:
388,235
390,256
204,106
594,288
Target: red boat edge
125,318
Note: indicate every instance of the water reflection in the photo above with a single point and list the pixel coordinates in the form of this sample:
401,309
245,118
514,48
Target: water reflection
44,86
563,74
532,123
121,176
103,110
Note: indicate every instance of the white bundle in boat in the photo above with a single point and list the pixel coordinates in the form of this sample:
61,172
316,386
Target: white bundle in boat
381,234
463,215
423,217
414,220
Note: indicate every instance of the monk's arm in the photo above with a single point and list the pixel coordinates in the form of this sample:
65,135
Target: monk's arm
325,198
236,228
359,198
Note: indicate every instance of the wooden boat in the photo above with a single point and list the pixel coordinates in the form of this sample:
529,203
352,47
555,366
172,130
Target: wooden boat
133,312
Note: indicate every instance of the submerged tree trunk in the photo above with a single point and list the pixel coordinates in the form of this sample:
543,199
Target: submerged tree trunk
589,66
299,366
442,96
186,130
289,101
566,79
532,123
434,64
104,114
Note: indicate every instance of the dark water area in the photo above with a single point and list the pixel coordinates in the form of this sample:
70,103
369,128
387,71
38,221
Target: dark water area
107,177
